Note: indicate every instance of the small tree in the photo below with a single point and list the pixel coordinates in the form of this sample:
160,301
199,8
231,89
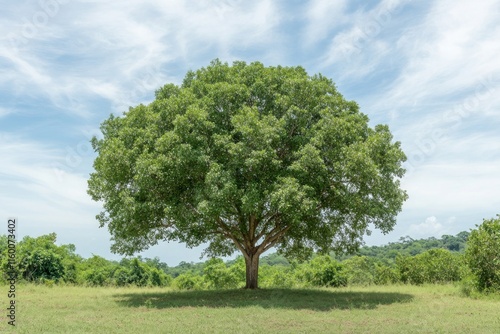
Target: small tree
139,273
40,258
247,158
483,254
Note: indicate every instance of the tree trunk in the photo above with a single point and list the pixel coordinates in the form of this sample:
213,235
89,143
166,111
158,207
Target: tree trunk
252,270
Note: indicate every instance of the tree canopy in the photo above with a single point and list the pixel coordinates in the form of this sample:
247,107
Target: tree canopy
246,157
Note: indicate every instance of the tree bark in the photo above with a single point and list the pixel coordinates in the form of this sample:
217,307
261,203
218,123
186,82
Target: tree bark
252,271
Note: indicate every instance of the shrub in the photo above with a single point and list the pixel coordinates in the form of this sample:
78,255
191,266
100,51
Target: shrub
188,281
385,275
433,266
281,277
135,272
218,276
277,276
483,255
238,269
159,278
70,273
359,270
121,276
37,259
441,265
139,273
41,264
96,277
96,271
322,271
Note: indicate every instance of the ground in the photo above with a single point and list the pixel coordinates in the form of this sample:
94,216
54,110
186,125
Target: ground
387,309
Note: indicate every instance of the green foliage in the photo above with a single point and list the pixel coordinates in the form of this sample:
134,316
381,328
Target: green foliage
3,245
159,278
138,273
410,247
218,276
156,263
277,276
274,259
322,271
244,154
39,259
469,285
41,264
359,270
70,272
121,276
96,277
433,266
184,267
46,263
385,275
96,271
483,255
188,281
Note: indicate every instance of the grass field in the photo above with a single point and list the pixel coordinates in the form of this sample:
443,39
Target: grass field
391,309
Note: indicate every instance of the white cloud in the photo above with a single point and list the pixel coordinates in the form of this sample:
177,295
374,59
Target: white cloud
88,51
44,198
454,188
451,52
430,70
322,17
116,51
431,227
31,171
360,49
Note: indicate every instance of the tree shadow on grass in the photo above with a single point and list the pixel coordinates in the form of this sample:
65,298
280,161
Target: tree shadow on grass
295,299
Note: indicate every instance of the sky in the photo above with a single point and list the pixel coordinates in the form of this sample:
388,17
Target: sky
428,69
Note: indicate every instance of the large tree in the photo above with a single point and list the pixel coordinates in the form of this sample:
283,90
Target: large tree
246,157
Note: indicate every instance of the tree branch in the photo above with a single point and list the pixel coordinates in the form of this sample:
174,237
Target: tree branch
252,222
228,233
271,240
266,224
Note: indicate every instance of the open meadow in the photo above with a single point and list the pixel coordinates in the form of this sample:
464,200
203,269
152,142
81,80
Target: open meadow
375,309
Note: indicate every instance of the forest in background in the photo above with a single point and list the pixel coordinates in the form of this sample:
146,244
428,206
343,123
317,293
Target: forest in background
431,260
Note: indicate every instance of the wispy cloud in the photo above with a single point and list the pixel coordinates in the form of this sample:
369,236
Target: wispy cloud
446,57
44,198
360,48
430,70
118,51
29,167
322,17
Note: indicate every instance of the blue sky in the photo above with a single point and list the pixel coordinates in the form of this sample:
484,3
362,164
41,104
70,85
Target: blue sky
430,70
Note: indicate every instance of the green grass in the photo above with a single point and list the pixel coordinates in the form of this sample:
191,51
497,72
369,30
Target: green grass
391,309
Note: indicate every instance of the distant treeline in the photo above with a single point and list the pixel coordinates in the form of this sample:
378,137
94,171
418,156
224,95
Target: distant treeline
407,246
40,260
